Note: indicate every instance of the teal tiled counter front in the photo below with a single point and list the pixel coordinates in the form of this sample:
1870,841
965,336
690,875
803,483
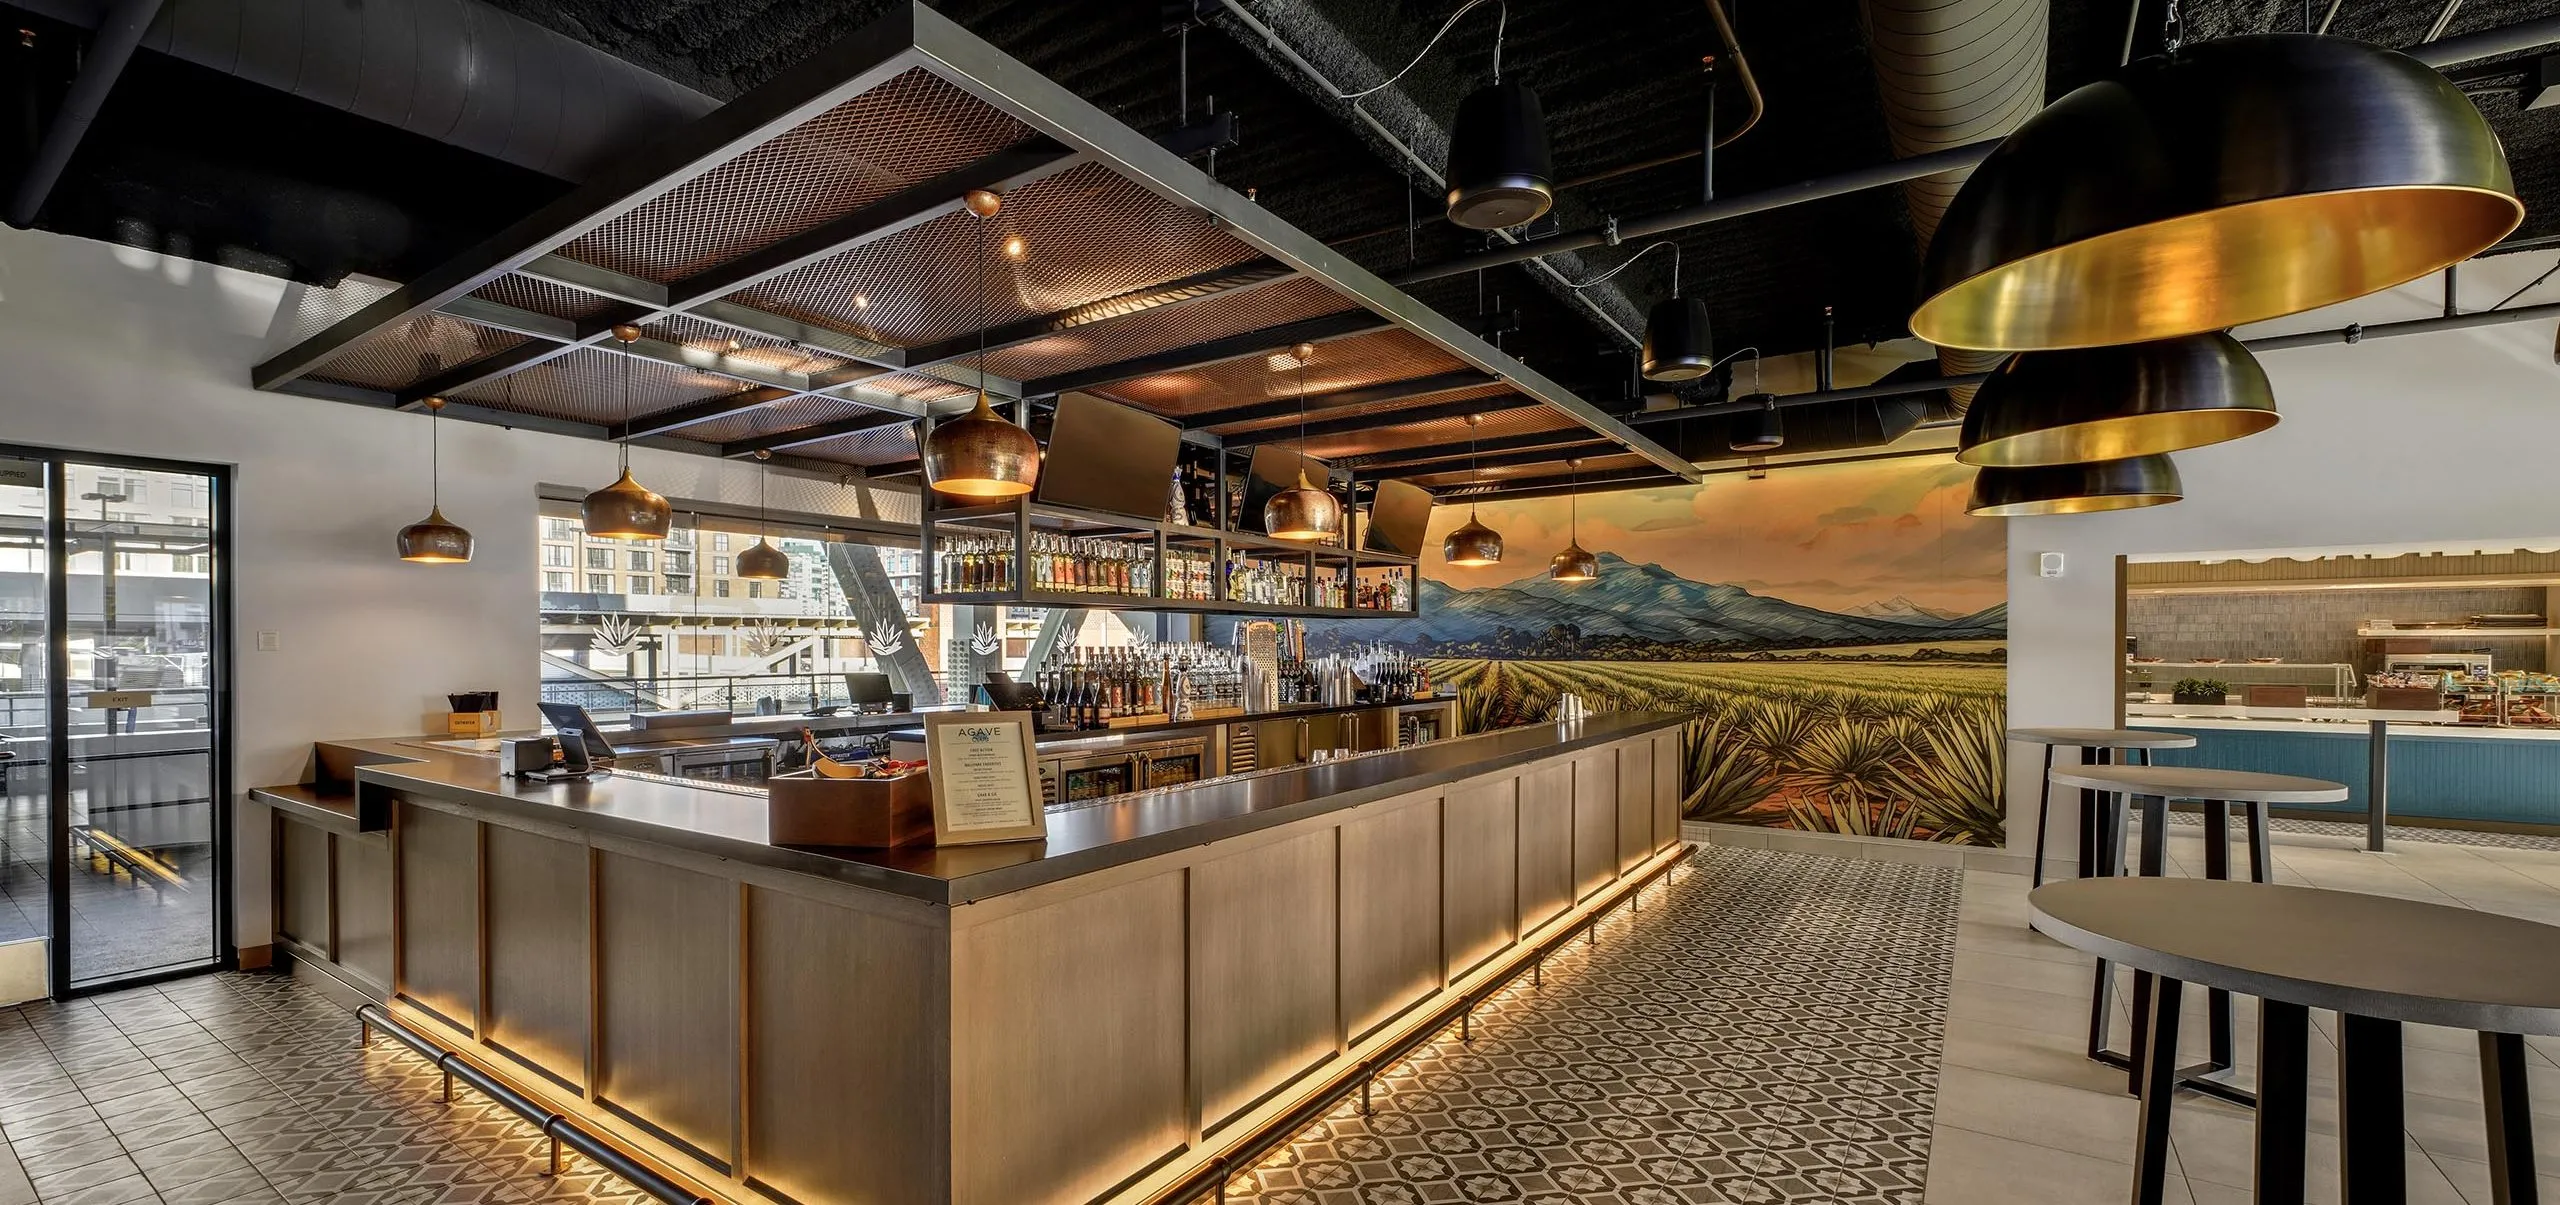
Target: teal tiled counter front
2508,779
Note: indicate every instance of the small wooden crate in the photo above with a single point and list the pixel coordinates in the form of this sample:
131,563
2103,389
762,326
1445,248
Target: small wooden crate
472,723
2276,696
805,809
2404,698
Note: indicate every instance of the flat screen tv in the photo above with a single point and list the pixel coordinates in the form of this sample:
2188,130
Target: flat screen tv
1105,456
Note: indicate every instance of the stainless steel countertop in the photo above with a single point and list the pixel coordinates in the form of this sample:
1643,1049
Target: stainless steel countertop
1077,739
1080,841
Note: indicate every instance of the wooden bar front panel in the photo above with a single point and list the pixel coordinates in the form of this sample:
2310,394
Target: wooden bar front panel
538,989
1546,844
1067,1066
440,913
846,1087
668,1048
1263,946
1595,821
1667,763
1635,803
1480,877
1390,910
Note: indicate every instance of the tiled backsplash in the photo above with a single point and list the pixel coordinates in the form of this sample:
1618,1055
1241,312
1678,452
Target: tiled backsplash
2317,625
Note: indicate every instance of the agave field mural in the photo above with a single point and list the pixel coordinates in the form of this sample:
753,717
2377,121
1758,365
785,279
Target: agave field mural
1837,632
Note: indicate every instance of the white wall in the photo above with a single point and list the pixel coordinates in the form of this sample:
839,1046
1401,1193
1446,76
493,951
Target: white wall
2424,441
113,350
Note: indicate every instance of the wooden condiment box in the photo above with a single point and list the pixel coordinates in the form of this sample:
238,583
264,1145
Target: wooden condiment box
2275,696
805,809
473,723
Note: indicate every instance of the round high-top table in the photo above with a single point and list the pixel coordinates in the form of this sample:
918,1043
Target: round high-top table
2151,788
2378,960
2097,746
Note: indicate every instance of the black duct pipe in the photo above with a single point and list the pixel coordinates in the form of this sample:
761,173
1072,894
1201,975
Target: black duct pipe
119,32
556,1126
2445,52
457,71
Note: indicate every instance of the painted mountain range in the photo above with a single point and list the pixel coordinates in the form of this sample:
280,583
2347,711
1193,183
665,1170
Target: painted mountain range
1637,605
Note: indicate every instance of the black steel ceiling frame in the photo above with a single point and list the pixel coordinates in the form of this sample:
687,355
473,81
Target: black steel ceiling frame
1291,432
1358,395
1393,461
1041,103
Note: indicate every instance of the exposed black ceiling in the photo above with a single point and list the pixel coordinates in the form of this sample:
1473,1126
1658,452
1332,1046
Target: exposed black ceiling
196,163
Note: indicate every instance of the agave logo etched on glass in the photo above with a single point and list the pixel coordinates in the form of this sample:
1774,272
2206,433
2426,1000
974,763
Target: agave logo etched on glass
984,642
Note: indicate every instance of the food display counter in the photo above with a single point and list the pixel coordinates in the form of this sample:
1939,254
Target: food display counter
1095,1017
2422,766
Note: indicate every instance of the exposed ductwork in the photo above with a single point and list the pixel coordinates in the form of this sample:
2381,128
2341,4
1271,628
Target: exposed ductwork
1952,73
457,71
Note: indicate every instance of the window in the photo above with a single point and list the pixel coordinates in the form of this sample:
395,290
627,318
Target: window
719,541
186,494
599,583
719,566
599,558
755,589
720,587
678,584
556,582
191,564
681,537
556,556
559,529
640,584
640,560
679,562
127,562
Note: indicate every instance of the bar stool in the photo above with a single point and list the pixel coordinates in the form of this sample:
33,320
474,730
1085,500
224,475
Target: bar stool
2097,746
2151,788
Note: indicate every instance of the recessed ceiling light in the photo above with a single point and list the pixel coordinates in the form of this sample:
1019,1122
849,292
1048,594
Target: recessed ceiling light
862,301
1014,247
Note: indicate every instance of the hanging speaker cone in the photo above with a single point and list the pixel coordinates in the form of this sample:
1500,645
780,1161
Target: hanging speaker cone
980,455
2076,489
1678,344
1501,173
2109,403
1760,430
1472,545
2232,181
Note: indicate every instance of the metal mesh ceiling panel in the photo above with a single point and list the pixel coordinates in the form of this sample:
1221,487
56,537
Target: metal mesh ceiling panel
1498,397
586,386
1088,233
773,419
878,446
1169,328
1372,359
906,131
423,345
1555,469
544,297
709,346
914,387
1381,442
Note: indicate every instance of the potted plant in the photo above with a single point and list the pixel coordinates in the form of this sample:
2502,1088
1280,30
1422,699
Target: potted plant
2208,691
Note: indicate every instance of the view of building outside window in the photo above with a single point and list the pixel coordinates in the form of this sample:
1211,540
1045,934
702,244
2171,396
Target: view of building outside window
669,625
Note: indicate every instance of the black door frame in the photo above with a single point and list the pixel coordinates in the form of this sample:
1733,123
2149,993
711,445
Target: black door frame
224,951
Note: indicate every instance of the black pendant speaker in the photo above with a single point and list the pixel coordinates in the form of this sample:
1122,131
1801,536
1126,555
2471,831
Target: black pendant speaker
1501,173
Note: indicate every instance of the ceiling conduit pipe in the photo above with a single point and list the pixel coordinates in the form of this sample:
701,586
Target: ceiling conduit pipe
1952,73
457,71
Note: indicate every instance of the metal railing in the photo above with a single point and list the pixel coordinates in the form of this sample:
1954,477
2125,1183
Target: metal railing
742,694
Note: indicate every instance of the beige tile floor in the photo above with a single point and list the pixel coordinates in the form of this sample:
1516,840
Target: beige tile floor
2023,1117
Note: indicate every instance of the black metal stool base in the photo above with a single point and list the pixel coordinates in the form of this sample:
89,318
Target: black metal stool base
2153,861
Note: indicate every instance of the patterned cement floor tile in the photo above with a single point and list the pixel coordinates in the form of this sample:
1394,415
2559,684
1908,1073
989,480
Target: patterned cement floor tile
1765,1032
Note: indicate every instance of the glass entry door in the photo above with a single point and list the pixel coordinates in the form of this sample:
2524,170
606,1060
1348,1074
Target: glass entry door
116,625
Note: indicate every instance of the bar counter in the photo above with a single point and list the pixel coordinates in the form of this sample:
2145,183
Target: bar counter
1088,1018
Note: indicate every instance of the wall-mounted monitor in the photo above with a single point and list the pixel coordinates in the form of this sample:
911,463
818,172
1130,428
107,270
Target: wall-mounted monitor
1399,519
1105,456
1274,468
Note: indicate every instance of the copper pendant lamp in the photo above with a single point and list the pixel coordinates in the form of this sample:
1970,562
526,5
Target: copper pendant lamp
1574,564
2227,182
2076,489
762,561
1472,545
435,540
979,454
1302,512
2110,403
626,509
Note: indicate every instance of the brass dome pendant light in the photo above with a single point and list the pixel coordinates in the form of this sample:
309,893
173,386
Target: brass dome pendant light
626,509
1302,512
435,540
761,561
979,454
2109,403
1473,545
2076,489
2228,182
1574,564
